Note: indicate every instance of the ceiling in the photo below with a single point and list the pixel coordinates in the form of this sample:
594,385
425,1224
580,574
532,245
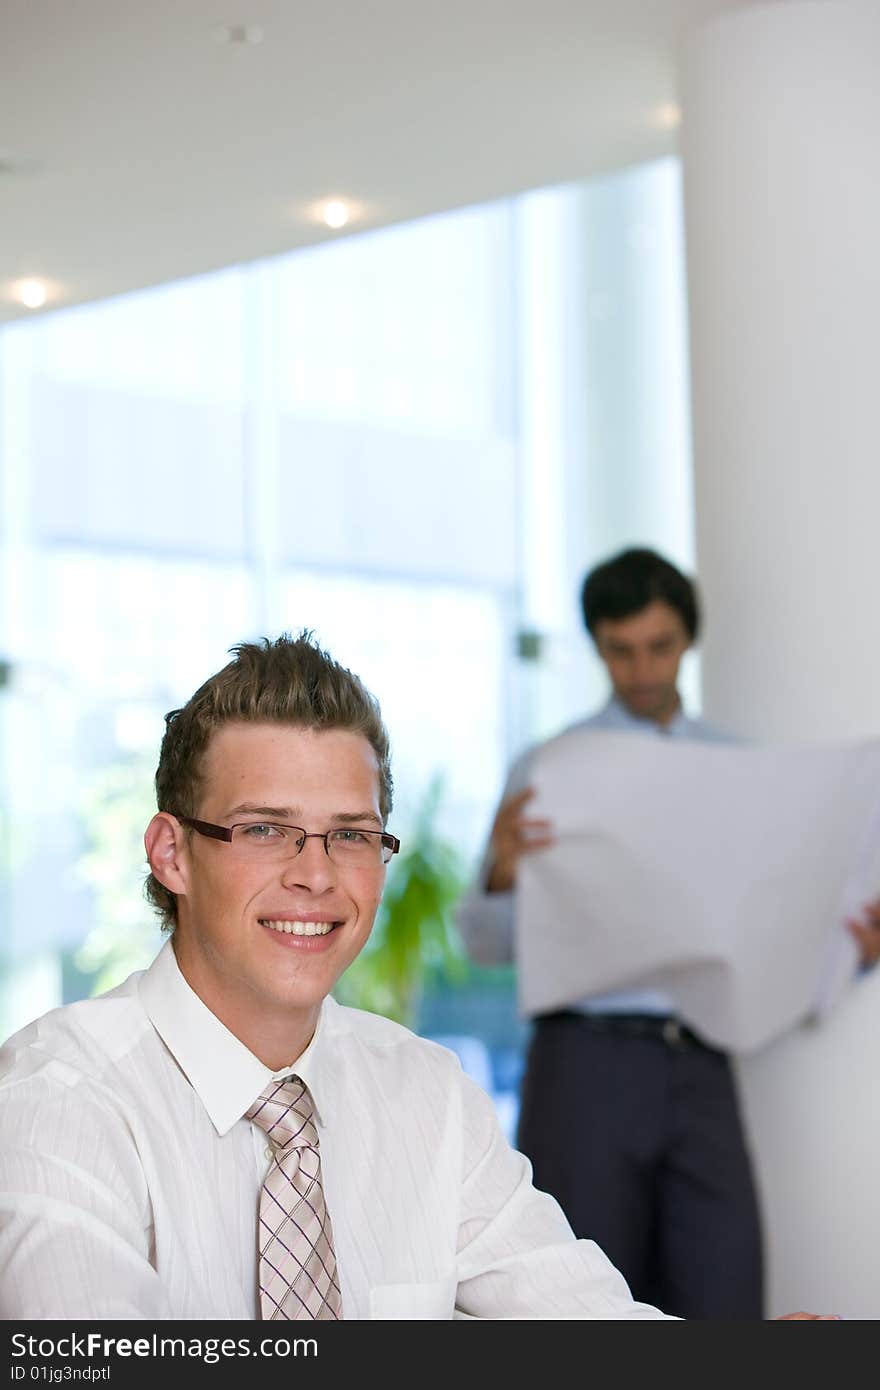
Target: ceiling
145,142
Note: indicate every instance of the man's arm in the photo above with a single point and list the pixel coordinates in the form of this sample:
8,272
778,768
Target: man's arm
485,912
75,1221
517,1255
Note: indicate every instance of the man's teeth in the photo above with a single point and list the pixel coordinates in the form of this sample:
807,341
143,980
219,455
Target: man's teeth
300,928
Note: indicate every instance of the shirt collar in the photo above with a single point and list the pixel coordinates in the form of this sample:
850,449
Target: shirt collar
225,1075
623,718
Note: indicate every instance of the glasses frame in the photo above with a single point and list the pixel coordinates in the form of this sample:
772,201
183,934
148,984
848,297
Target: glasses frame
224,832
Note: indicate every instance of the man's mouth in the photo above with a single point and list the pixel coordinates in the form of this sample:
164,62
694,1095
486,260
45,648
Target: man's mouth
298,928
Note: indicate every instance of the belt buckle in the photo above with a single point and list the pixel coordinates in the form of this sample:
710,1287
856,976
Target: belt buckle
671,1032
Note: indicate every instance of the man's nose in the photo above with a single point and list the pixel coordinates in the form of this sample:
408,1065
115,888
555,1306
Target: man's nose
642,668
312,868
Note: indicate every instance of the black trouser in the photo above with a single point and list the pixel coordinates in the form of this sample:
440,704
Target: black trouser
635,1130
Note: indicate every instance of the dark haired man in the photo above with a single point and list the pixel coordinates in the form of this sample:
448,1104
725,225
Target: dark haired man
629,1118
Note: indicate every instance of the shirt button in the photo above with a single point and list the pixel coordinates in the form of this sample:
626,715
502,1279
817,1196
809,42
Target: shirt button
269,1151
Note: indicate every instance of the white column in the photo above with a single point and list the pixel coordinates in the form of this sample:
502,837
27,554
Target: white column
781,150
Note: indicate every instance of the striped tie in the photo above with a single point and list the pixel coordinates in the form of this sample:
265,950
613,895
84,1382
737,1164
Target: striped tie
298,1277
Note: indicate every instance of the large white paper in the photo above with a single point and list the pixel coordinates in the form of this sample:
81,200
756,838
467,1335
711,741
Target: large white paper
719,873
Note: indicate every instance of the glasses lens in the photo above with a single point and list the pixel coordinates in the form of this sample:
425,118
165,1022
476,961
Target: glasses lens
356,846
267,840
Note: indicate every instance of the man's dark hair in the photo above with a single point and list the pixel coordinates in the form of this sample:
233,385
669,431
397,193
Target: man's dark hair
628,582
289,681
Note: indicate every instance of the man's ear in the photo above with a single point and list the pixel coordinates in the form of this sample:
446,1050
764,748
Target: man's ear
165,843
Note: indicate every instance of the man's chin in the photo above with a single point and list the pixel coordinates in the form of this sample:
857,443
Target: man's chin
645,699
650,705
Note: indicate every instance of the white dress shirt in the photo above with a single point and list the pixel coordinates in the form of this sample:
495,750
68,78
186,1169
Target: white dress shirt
129,1183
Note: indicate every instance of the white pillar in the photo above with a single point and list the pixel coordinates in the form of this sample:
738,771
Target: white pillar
781,150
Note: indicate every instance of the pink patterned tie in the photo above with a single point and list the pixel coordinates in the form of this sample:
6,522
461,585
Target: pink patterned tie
298,1277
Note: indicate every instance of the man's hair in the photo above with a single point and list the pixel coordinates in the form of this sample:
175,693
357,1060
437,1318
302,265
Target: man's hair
629,581
286,681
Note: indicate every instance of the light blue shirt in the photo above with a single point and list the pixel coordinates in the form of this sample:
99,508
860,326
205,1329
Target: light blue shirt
486,919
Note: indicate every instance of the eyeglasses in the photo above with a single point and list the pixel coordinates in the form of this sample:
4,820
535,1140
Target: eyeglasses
272,840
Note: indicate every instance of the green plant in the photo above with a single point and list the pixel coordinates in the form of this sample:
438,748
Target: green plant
414,940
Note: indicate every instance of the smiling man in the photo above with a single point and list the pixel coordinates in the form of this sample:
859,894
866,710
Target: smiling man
267,915
217,1138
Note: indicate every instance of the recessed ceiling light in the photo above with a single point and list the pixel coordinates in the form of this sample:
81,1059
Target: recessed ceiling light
667,115
239,33
31,293
335,212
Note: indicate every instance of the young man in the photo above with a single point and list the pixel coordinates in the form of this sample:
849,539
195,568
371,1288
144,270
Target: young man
157,1159
217,1138
631,1120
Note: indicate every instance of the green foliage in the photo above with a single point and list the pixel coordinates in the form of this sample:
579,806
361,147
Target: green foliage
414,940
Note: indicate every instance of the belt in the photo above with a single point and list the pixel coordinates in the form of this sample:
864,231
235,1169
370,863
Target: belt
664,1028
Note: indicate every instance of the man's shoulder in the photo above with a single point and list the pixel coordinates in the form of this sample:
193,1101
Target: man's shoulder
610,720
597,720
612,729
77,1041
591,723
385,1040
522,762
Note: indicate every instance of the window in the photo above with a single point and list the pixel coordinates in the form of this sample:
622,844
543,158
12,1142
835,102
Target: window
412,442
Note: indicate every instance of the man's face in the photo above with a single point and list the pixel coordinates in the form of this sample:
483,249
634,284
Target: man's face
642,654
259,980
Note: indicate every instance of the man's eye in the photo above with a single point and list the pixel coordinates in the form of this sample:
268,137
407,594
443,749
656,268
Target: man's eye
263,832
350,837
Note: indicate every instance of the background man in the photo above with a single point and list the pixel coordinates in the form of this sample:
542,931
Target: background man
630,1119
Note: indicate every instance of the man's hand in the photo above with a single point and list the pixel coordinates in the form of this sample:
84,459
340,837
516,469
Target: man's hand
514,834
866,930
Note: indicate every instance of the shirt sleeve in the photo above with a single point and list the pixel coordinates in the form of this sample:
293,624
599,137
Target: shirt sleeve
517,1255
76,1231
485,920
